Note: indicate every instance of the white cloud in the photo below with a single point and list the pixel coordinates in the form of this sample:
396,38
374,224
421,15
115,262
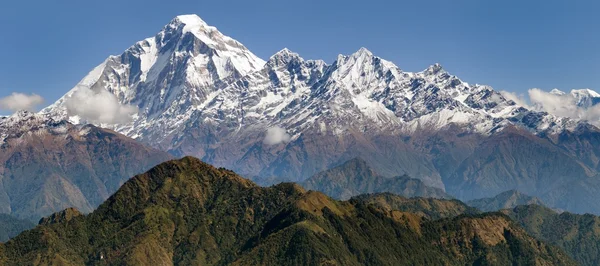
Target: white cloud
276,135
560,105
557,103
99,107
563,105
20,101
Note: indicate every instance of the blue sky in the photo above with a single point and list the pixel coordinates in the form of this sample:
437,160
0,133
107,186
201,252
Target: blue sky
48,46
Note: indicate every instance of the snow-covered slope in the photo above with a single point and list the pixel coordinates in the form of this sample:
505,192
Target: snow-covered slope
368,93
25,122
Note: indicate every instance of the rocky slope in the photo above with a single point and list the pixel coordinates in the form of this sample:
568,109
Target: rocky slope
187,212
48,165
505,200
356,177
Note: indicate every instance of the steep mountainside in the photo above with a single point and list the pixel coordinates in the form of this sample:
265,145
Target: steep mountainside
48,165
504,200
560,169
201,93
186,212
580,196
514,159
356,177
578,235
11,226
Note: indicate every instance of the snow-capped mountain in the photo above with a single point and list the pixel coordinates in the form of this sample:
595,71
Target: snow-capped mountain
584,98
201,93
190,71
167,76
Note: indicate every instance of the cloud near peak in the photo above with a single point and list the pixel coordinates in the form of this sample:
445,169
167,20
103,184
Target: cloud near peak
20,101
99,107
556,103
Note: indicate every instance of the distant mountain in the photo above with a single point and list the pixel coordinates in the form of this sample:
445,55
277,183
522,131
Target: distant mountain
585,98
428,208
356,177
579,196
201,93
48,165
578,235
514,159
504,200
187,212
11,226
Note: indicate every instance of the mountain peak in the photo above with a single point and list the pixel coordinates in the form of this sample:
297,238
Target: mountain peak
181,64
585,98
187,165
189,23
22,119
190,20
61,217
557,92
434,69
283,57
21,122
23,114
285,51
584,92
362,52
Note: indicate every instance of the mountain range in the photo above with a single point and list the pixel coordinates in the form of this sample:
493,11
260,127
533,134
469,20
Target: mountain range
186,212
191,90
359,162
